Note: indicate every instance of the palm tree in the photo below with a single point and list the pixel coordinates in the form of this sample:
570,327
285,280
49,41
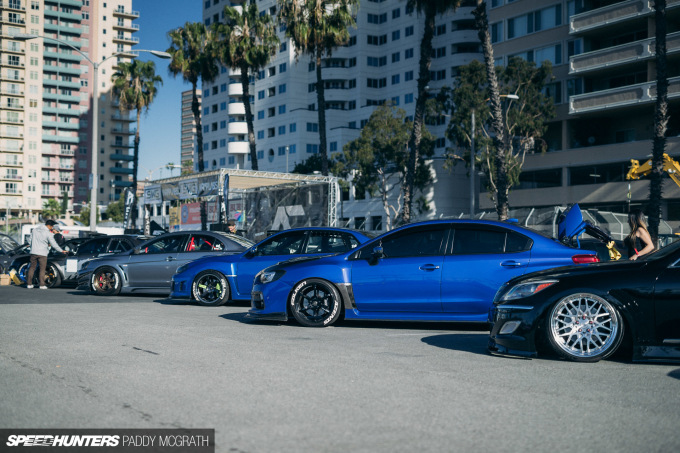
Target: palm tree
660,121
431,8
135,85
497,124
247,41
193,56
316,28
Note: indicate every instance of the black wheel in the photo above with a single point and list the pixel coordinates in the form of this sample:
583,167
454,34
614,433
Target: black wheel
106,282
52,276
210,288
584,328
315,303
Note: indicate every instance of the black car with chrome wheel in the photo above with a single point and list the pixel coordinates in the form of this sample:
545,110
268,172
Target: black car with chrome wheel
586,314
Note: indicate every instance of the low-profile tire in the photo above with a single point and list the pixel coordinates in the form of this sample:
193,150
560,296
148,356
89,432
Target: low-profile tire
315,303
583,327
52,276
210,288
106,281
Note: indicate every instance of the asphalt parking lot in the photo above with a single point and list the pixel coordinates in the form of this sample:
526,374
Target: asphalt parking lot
72,360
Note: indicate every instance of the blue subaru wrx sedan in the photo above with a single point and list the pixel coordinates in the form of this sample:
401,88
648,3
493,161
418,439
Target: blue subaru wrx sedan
217,279
442,270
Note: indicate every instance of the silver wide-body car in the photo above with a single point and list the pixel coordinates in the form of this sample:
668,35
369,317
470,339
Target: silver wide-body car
150,266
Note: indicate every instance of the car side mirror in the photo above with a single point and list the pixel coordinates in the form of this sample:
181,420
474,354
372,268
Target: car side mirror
251,252
376,255
136,251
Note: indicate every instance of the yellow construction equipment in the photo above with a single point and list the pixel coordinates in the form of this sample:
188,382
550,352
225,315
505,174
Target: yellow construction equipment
669,166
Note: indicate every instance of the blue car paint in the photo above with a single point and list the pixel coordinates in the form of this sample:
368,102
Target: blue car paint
240,269
441,287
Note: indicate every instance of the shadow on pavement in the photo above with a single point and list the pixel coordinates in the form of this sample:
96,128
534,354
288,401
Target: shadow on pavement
675,374
467,342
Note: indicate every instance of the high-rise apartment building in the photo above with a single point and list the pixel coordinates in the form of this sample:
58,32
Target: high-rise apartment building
46,100
603,65
188,135
604,89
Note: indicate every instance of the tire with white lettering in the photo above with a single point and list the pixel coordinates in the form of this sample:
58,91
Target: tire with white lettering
315,303
106,281
210,288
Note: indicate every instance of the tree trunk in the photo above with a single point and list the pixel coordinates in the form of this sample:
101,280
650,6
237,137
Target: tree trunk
660,122
245,84
135,166
497,121
196,110
419,115
321,100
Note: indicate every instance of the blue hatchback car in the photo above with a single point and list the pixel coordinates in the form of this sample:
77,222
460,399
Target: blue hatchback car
442,270
214,280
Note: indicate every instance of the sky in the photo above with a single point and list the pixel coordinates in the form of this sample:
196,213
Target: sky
159,131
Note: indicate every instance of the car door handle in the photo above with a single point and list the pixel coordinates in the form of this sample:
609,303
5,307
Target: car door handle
428,267
511,264
170,258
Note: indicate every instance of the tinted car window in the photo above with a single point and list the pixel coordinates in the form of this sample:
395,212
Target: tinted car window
415,242
93,247
330,242
469,241
204,243
119,245
515,242
282,244
7,243
165,245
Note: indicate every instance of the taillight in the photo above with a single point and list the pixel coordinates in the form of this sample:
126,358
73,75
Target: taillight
585,259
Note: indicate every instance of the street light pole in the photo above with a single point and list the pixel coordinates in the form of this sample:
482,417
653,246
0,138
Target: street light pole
95,114
472,168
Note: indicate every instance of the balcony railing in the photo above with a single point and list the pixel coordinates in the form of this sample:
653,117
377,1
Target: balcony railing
617,12
625,53
641,93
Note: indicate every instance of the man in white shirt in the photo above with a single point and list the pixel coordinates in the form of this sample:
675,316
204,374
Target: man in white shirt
41,238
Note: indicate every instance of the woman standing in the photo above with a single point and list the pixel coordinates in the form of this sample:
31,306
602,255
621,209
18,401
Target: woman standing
639,242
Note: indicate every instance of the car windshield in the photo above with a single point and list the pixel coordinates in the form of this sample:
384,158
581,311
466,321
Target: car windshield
8,243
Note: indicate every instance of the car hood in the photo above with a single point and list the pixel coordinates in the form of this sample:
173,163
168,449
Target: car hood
301,259
575,270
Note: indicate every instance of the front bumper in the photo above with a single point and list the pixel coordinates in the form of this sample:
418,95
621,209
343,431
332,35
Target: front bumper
513,331
84,279
268,302
180,288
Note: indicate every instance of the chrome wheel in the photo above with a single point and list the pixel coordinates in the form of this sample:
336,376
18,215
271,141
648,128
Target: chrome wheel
210,288
584,327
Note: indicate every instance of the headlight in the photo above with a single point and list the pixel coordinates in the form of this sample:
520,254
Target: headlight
527,289
270,276
182,268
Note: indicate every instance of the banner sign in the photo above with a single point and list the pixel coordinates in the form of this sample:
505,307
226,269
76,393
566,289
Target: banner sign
174,218
225,198
208,186
170,191
188,189
129,200
153,194
190,213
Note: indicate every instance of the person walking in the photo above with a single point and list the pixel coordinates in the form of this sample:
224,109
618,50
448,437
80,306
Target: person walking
639,241
41,238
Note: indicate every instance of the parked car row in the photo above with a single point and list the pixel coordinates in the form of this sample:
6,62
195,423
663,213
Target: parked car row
532,290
